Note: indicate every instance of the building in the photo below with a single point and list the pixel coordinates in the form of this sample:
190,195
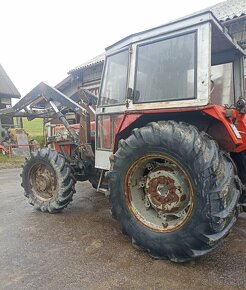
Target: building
7,92
232,14
86,76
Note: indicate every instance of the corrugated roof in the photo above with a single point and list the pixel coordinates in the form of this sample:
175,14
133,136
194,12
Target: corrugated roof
228,10
7,88
95,60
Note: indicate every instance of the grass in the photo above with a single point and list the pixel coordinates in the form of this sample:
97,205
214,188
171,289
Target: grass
10,162
34,129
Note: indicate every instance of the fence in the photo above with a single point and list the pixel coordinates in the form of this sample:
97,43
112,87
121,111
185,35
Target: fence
11,150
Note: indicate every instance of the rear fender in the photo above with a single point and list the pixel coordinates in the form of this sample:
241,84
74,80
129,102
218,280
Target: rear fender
210,119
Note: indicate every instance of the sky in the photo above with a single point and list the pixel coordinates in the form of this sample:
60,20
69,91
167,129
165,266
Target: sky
41,40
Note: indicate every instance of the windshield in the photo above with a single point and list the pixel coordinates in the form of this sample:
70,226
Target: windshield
115,79
166,69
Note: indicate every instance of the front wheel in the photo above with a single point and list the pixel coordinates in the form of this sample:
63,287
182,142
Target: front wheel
173,191
48,181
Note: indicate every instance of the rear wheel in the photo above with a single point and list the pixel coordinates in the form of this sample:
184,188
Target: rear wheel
173,191
48,180
240,160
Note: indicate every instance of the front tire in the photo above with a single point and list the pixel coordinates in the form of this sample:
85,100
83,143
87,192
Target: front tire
173,191
48,181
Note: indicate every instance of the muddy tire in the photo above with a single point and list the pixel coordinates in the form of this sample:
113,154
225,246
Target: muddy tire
173,191
48,181
240,160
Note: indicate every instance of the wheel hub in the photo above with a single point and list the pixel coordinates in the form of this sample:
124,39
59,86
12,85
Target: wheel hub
159,192
164,190
43,182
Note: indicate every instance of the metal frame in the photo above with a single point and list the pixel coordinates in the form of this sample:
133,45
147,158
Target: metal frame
55,102
103,77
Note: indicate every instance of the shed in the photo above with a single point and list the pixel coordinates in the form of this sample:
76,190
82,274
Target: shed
7,92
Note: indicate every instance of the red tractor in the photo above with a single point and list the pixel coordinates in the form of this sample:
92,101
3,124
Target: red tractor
170,139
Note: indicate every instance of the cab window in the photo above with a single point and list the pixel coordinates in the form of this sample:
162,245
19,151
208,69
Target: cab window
115,79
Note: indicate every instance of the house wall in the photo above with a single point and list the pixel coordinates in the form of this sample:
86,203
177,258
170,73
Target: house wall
88,78
237,28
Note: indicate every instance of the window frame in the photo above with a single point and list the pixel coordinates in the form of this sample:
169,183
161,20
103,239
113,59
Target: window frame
103,78
111,128
160,40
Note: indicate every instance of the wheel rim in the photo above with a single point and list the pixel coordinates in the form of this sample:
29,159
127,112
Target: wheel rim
42,181
159,192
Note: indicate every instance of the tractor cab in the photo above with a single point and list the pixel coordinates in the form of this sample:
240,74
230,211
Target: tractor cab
186,64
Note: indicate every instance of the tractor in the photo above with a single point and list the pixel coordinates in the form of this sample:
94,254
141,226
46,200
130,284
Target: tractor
169,149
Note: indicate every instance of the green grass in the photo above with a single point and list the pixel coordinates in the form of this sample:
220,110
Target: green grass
10,162
34,129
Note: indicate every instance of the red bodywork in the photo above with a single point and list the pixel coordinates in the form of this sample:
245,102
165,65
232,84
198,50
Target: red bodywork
66,147
231,143
111,126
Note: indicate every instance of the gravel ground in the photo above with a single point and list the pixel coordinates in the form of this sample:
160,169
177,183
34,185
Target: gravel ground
82,248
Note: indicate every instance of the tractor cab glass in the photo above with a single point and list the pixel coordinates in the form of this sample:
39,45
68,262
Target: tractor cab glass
222,84
166,69
115,80
226,84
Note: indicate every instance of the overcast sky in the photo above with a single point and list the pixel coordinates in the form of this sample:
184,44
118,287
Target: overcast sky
41,40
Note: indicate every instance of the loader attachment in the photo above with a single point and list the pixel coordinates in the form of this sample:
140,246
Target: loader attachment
42,94
45,101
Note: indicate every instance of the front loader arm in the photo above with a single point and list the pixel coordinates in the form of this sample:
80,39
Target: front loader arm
42,92
45,101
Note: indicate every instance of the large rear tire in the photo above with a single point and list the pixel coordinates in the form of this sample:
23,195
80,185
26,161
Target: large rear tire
173,191
240,160
48,181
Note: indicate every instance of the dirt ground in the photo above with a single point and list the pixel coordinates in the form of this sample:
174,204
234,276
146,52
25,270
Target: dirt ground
82,248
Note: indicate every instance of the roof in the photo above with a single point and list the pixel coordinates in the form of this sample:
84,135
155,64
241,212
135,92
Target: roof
64,82
98,59
228,10
7,88
192,20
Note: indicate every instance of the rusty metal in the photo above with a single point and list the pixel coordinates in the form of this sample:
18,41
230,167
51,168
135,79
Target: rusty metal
159,192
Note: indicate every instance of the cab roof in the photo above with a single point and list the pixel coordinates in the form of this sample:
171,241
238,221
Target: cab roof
218,31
